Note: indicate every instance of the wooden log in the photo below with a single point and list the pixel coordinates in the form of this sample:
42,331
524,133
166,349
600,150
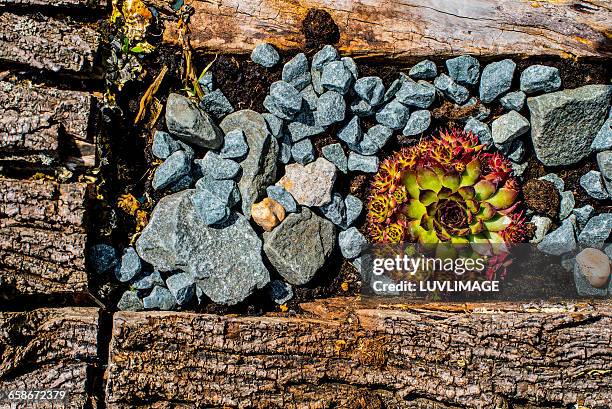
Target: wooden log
410,29
77,5
50,348
48,43
43,236
343,353
38,122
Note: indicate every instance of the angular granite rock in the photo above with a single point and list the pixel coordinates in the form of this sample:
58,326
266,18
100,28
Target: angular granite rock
300,246
310,185
191,124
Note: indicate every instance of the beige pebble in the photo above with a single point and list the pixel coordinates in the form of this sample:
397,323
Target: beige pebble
268,213
595,266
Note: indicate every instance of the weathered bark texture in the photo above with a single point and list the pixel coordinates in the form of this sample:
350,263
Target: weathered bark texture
64,4
49,43
37,121
350,355
49,349
410,29
43,236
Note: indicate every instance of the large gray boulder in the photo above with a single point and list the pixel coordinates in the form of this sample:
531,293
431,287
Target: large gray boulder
565,123
300,246
259,166
225,261
191,124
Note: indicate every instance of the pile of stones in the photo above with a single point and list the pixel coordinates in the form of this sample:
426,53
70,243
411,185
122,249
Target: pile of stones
230,221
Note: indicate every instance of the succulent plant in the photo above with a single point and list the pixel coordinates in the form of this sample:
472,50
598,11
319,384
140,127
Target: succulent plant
446,189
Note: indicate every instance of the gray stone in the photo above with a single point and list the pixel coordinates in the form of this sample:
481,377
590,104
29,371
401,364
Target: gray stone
513,101
296,72
351,133
354,208
396,86
279,194
213,200
464,69
496,79
418,123
335,154
206,82
542,225
394,115
593,184
555,180
218,168
457,93
479,129
331,108
561,240
148,281
259,167
284,99
164,145
310,97
374,140
540,78
182,287
351,243
519,168
324,56
280,292
418,94
604,161
304,127
216,104
129,267
603,139
235,145
130,302
265,55
336,77
186,182
508,127
284,154
567,204
160,298
583,287
583,215
102,258
171,170
564,123
595,233
362,109
225,262
335,211
608,251
568,262
303,152
424,70
361,163
479,111
187,149
516,153
316,81
189,123
310,185
371,90
275,125
351,65
300,246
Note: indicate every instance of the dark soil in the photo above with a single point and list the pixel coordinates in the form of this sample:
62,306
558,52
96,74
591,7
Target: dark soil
319,29
542,197
246,84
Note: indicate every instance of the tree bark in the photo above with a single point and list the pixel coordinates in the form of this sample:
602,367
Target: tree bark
410,29
343,353
49,349
43,236
39,122
48,43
